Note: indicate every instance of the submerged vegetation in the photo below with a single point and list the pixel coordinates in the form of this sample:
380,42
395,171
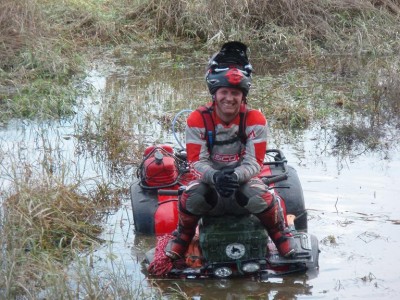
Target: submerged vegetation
349,49
356,98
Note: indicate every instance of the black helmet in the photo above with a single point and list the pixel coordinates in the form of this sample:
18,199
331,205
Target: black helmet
229,68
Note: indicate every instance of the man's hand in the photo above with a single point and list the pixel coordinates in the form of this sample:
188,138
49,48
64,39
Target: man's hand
226,182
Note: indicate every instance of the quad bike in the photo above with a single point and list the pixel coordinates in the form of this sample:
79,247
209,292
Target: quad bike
228,246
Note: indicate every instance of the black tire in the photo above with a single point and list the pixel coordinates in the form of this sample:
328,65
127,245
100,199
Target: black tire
144,206
292,193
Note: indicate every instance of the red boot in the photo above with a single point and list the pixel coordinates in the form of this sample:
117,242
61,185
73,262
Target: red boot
284,242
272,220
177,247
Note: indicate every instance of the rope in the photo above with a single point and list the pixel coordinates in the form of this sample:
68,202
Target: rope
161,263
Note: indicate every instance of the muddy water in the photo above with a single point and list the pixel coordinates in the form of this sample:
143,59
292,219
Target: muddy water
352,199
353,210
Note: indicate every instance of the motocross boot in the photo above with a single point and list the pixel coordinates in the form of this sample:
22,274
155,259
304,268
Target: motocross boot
272,220
186,230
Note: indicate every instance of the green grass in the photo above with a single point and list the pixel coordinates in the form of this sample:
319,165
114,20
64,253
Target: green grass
43,100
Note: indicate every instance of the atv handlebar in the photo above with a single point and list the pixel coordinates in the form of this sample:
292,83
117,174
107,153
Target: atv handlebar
168,192
266,180
172,192
279,160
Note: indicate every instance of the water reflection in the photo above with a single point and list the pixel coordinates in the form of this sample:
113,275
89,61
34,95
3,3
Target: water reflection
348,165
358,112
289,287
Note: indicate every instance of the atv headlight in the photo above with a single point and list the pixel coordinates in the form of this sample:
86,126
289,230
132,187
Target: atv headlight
251,267
223,272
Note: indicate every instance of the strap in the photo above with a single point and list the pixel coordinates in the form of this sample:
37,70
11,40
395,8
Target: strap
231,141
242,123
206,113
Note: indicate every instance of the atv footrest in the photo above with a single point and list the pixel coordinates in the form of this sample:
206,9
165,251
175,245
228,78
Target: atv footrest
303,251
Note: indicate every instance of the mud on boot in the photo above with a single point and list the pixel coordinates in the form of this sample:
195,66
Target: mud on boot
187,224
176,248
284,242
274,222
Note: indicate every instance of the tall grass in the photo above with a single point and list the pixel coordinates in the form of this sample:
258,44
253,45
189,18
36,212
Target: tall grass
44,43
36,64
43,52
302,26
45,224
48,240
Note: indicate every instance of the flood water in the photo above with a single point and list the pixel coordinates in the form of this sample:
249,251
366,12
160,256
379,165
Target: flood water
351,197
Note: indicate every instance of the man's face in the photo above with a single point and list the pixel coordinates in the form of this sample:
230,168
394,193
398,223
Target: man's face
227,101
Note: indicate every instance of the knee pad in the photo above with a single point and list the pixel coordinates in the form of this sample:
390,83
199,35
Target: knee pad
256,204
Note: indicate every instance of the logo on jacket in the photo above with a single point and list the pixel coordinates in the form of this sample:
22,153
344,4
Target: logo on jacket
225,157
251,135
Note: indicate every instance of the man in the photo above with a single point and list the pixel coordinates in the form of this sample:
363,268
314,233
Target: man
227,156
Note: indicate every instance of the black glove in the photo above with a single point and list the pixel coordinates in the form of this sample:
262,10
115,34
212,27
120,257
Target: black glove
226,182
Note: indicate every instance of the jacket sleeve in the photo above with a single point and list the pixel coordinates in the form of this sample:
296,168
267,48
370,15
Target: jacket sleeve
196,147
256,145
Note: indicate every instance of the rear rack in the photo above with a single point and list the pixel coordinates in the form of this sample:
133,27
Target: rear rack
279,160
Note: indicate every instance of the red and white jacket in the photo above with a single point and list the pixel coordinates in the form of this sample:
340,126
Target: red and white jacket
246,159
